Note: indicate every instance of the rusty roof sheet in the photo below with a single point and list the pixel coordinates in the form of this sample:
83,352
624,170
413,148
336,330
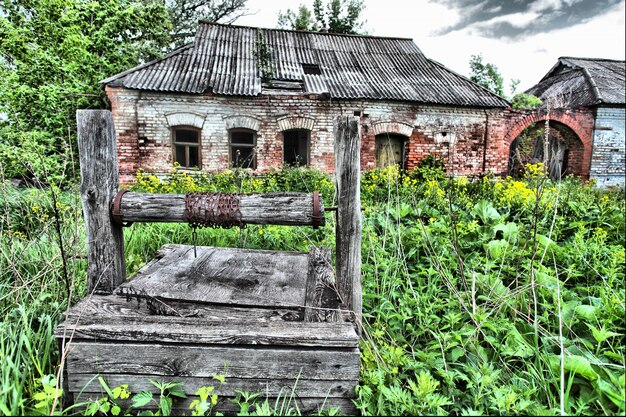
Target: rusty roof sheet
224,59
581,82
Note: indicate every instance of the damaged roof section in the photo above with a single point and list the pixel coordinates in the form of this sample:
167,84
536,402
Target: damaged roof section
583,82
237,60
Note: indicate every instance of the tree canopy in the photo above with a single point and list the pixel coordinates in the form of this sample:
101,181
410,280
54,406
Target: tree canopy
52,55
185,14
336,16
488,76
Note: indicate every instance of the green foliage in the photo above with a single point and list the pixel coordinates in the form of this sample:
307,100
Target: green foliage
486,75
207,399
302,20
477,294
48,394
185,14
52,56
336,16
263,55
525,101
451,294
295,179
116,400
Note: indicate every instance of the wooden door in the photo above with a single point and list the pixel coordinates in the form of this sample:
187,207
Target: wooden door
389,150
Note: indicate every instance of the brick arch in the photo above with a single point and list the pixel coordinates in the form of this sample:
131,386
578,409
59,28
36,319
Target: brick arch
580,123
184,119
292,122
392,127
242,122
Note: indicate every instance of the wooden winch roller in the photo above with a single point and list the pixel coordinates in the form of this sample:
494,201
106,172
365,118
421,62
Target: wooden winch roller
288,209
271,322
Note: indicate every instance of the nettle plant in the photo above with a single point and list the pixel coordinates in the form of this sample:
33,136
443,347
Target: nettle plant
508,292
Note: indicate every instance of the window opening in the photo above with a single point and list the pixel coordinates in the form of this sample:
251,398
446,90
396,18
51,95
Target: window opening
296,147
187,147
312,69
242,143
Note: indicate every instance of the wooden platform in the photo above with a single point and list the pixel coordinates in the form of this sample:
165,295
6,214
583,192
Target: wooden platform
267,320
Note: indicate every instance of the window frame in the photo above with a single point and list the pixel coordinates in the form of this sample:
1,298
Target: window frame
232,145
187,145
307,145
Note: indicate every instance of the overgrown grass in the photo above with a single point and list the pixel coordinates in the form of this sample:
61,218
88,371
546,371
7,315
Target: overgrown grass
480,297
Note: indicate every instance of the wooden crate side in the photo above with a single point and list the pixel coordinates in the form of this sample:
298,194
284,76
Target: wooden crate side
99,309
206,361
194,331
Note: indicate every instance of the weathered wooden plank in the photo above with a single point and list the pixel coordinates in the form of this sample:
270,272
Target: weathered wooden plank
348,229
200,331
305,388
322,298
289,209
99,182
98,309
205,361
161,253
227,276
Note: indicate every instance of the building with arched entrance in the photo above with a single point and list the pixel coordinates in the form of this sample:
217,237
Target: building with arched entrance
262,99
584,105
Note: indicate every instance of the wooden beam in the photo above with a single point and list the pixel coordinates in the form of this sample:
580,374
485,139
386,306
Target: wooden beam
99,183
348,228
289,209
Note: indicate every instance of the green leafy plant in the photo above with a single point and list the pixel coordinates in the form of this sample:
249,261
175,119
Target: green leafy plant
207,399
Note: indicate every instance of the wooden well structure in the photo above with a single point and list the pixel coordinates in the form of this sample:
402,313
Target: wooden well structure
272,322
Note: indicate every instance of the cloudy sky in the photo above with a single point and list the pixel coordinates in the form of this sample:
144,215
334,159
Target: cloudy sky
523,38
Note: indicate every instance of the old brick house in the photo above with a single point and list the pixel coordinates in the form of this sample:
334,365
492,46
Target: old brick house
262,98
590,91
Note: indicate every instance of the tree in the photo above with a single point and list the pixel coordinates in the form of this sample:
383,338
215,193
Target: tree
336,16
185,14
303,20
52,55
486,75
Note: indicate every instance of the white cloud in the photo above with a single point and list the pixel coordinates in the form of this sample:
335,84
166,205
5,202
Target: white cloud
519,20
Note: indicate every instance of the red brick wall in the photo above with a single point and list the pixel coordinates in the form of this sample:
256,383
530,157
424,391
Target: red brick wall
144,138
470,141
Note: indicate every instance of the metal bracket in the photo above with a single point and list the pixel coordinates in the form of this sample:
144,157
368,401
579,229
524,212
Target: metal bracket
317,219
116,209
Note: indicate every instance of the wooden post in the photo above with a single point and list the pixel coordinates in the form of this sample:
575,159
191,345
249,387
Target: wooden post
99,184
348,229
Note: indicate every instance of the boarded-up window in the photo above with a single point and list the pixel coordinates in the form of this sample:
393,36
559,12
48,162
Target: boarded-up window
389,150
242,143
187,147
296,147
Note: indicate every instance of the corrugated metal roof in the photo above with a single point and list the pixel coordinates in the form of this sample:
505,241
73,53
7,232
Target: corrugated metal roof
224,59
580,82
